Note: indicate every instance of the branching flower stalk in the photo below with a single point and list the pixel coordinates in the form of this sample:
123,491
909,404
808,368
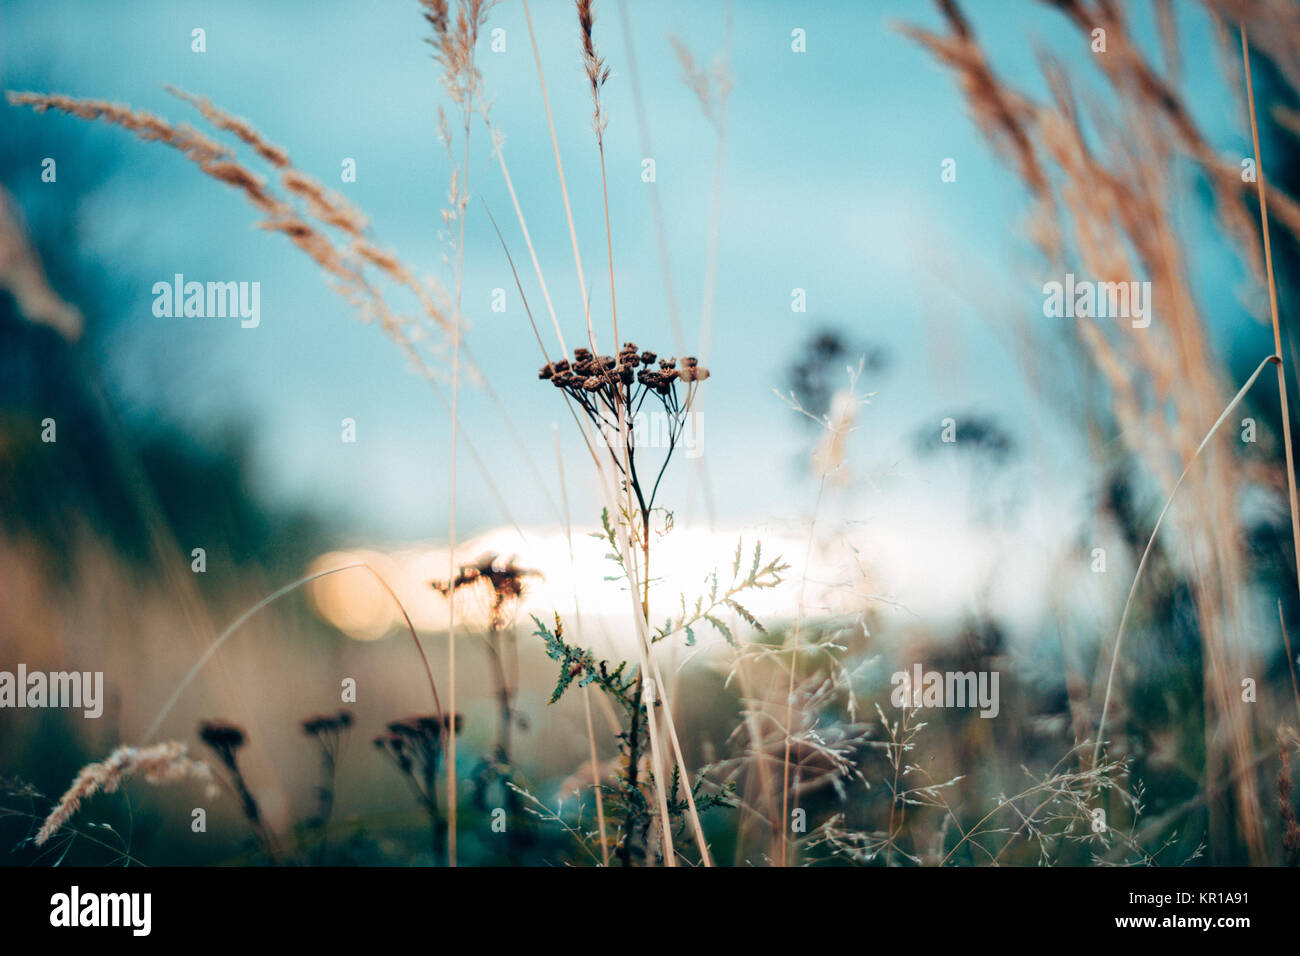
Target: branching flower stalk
497,587
415,746
612,392
329,731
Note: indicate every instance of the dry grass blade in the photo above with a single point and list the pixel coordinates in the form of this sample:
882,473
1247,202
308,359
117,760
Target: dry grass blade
270,599
157,764
1146,552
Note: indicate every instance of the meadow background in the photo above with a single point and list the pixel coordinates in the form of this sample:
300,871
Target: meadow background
182,433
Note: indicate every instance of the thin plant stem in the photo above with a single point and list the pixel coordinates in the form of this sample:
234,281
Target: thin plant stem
269,599
564,189
586,691
1146,552
528,241
794,666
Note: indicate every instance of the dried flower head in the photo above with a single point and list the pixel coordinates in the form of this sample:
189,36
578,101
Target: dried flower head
500,584
612,390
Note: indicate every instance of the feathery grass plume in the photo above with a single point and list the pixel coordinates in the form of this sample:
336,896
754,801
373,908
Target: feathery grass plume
711,85
156,764
242,128
595,65
453,43
150,128
23,276
327,206
343,264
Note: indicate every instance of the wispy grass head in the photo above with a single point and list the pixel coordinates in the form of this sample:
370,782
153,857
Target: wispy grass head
597,68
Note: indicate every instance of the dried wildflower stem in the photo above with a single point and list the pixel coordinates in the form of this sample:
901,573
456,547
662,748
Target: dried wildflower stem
642,703
586,691
611,492
1272,302
597,74
269,599
1146,552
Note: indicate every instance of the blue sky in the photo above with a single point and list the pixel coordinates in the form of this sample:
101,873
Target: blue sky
831,185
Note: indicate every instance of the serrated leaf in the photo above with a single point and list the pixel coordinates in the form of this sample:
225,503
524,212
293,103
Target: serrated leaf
722,629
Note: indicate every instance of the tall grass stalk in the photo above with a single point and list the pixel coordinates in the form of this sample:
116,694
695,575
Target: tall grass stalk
794,666
1272,303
